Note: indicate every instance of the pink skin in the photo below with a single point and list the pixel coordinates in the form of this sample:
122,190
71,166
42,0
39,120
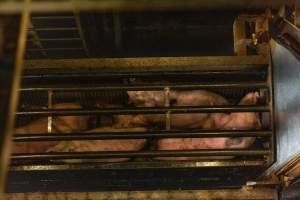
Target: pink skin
61,124
147,98
183,98
219,121
103,145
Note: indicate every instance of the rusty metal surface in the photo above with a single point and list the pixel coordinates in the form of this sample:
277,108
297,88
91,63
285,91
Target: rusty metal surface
287,34
142,165
68,5
238,194
158,63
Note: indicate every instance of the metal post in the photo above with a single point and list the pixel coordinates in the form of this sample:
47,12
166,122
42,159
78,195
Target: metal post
50,121
167,104
297,15
10,71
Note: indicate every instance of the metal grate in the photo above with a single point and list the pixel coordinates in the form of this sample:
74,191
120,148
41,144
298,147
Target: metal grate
56,36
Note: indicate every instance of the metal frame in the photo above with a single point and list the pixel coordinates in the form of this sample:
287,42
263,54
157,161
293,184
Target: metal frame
9,95
84,5
39,40
142,65
115,68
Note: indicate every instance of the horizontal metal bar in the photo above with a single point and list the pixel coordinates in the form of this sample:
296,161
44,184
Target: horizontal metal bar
204,63
145,110
54,49
135,154
54,29
46,6
140,165
255,85
30,74
52,17
138,135
54,39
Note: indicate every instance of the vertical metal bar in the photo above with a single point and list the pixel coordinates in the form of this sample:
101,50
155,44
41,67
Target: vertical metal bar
50,94
10,73
239,36
37,40
117,32
297,15
81,33
167,104
271,108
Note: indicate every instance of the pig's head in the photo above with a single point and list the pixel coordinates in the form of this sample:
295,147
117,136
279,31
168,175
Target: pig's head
70,123
146,98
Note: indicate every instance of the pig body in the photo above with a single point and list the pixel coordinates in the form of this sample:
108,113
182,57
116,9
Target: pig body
220,121
102,145
60,124
179,98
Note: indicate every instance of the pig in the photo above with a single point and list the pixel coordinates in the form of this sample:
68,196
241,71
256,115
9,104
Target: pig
60,124
220,121
178,98
102,145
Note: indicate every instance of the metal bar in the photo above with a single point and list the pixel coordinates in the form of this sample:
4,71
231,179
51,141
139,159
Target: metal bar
54,49
118,36
95,73
145,110
256,85
37,41
50,119
206,63
52,17
55,29
81,33
167,104
141,165
297,15
103,5
138,135
10,76
55,39
272,157
135,154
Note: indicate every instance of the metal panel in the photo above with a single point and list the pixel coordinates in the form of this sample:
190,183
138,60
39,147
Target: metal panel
286,77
